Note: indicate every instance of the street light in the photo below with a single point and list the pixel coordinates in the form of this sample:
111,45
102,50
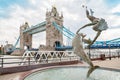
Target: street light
109,52
6,42
89,53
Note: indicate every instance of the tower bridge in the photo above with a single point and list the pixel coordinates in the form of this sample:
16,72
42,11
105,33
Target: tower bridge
53,36
53,26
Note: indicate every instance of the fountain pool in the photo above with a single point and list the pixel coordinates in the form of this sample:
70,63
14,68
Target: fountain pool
74,73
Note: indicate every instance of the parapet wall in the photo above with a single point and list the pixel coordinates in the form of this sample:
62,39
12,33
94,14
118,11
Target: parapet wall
30,67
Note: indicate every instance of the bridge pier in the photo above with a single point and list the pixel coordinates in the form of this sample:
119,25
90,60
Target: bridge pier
25,38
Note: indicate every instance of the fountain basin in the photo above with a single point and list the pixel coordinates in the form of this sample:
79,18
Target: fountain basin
74,73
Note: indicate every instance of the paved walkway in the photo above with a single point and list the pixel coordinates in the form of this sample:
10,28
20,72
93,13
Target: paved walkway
113,63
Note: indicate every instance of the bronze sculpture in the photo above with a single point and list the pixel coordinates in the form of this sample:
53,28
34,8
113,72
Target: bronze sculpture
98,25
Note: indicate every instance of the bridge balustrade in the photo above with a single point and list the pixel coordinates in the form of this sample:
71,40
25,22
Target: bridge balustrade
37,57
44,57
50,56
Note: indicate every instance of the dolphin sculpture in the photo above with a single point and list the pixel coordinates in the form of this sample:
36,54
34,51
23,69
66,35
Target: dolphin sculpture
98,24
77,44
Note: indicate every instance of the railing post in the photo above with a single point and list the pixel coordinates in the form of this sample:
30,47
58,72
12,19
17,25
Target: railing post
47,59
70,57
89,54
60,58
118,54
29,60
109,53
2,63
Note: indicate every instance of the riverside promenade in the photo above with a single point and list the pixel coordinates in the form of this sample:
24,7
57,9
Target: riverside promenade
113,63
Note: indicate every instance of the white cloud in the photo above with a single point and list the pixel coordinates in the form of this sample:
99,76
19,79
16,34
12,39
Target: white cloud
18,16
74,17
33,2
113,19
116,9
110,34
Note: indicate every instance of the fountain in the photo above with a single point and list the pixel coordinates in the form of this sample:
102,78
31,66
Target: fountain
74,73
77,72
98,25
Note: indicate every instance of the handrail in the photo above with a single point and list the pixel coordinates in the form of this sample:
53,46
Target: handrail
28,61
41,57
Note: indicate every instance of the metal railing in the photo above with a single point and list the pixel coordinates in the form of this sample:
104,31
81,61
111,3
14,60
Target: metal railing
44,57
106,53
37,57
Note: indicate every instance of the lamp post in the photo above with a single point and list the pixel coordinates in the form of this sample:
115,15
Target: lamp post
89,53
6,42
118,51
109,52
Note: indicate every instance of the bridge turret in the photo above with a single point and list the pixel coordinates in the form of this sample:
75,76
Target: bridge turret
53,16
61,15
25,26
54,12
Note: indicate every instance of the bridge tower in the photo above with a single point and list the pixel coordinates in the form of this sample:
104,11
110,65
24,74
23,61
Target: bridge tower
25,38
53,36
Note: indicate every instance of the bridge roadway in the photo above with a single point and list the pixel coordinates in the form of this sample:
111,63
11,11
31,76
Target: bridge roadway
115,43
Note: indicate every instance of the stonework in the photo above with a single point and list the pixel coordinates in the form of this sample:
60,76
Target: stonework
25,38
53,36
46,48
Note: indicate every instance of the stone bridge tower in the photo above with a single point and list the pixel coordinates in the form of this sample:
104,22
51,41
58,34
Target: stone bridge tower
25,38
53,36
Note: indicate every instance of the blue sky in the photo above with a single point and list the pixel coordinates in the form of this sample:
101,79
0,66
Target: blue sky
5,6
7,3
14,13
112,3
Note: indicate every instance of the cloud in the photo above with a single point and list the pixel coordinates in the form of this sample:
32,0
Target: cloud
116,9
17,17
117,13
110,34
113,18
33,2
74,17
